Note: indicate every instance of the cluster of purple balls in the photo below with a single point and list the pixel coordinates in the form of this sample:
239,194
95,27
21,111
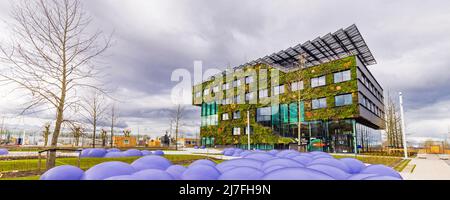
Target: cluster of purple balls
272,165
4,152
116,153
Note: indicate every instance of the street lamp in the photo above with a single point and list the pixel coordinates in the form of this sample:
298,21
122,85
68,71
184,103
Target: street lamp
405,148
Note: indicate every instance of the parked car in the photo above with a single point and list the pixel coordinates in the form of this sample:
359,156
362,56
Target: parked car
444,156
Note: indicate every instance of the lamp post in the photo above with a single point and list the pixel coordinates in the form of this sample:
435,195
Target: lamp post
405,148
248,129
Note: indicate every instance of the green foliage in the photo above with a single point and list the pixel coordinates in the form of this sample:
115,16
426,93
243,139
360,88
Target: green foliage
264,135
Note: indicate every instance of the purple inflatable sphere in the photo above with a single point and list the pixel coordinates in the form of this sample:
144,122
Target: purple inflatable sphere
360,176
200,172
242,173
240,162
158,153
203,162
296,174
132,153
151,162
3,152
108,169
334,172
113,150
64,172
146,152
281,162
114,155
84,153
122,178
273,168
332,162
176,171
304,160
96,153
381,170
153,174
354,165
388,178
259,156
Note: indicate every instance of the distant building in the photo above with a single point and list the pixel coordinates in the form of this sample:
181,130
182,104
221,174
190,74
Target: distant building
124,142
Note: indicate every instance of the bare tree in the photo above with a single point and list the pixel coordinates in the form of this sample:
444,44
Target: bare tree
77,132
114,117
46,133
51,56
127,133
177,116
94,111
104,136
393,120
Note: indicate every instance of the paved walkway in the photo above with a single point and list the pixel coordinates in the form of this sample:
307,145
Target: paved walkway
430,168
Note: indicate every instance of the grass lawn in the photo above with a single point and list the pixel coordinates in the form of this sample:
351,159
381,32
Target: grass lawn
85,163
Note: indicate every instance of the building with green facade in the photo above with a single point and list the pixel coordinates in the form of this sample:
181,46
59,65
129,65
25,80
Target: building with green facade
323,86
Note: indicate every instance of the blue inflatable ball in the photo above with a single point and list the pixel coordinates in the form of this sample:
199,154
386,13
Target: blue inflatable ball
281,162
322,156
291,155
176,171
108,169
195,147
153,174
332,162
296,174
229,152
114,155
304,160
146,152
64,172
354,165
380,170
202,147
318,153
389,178
334,172
200,172
240,162
306,154
203,162
132,153
285,152
113,150
96,153
151,162
158,153
84,153
242,173
244,153
273,152
4,152
273,168
259,156
360,176
122,178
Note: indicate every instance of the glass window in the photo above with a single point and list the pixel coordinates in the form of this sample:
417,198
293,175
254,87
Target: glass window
362,100
284,113
342,76
293,113
319,81
263,93
263,114
226,86
206,92
297,86
225,116
319,103
216,89
249,96
237,99
198,94
246,130
237,115
236,131
342,100
237,83
278,90
249,79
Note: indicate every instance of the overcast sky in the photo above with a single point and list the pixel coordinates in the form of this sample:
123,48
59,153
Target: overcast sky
409,39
